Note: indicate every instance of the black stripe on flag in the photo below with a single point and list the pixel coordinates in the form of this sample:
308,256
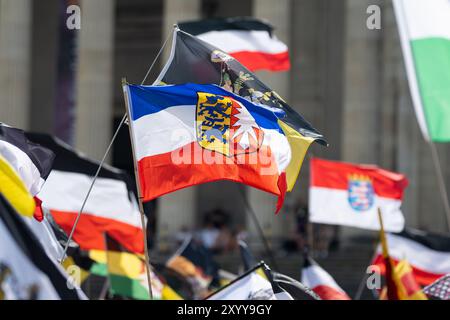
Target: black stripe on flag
41,157
31,247
197,27
69,160
434,241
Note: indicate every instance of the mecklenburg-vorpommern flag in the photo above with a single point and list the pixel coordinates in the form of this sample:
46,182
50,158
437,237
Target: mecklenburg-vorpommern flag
349,194
190,134
424,28
195,61
249,40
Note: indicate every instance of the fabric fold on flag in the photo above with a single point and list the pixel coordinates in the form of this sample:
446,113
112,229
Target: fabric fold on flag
440,289
400,281
255,284
428,254
195,61
112,205
203,133
424,28
26,271
249,40
31,161
321,282
14,190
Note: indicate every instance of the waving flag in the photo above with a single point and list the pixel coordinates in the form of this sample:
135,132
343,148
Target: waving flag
427,253
195,61
316,278
201,133
127,274
350,194
111,207
14,190
439,289
31,162
424,28
249,40
255,284
26,272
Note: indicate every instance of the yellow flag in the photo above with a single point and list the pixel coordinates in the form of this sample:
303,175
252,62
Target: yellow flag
14,190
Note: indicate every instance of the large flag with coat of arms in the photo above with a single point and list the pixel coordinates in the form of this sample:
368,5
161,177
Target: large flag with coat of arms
349,194
190,134
195,61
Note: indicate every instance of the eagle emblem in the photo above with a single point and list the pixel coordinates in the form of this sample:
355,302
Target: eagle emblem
225,125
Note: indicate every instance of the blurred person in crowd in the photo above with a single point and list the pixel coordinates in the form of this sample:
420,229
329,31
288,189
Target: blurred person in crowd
299,240
215,233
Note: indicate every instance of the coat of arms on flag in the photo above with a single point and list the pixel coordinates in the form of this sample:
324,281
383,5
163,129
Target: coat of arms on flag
360,192
349,194
224,125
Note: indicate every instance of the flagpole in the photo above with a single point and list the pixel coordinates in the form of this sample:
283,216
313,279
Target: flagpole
441,181
63,257
361,285
138,186
259,229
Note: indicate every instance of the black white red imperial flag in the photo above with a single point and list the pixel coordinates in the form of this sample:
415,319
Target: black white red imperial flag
427,253
30,161
26,272
251,41
192,60
112,205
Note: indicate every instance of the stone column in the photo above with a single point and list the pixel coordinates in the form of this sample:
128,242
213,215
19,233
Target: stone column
361,130
361,116
263,203
44,69
15,56
94,78
176,210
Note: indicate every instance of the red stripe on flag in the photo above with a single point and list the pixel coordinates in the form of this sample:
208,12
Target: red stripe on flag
256,60
330,293
422,277
89,233
336,175
161,174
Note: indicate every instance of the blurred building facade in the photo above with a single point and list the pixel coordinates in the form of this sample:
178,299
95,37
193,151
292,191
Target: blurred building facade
347,80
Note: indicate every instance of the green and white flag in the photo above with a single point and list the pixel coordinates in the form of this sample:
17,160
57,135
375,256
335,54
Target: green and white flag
424,27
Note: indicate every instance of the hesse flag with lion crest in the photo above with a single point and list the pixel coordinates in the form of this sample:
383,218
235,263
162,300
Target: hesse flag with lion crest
349,194
191,134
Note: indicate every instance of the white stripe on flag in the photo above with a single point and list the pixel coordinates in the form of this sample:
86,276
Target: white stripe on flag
331,206
174,127
427,19
314,276
418,255
23,166
164,131
239,40
65,191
